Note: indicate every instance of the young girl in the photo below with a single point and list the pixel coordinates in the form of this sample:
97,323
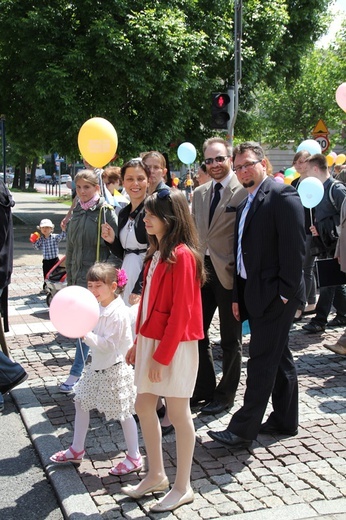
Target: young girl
107,384
165,355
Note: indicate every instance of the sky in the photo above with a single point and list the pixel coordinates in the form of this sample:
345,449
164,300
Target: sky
338,8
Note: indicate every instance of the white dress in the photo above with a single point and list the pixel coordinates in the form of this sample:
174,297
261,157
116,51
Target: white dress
107,383
132,262
179,377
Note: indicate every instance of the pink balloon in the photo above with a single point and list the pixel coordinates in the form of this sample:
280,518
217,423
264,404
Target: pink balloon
278,179
334,154
74,311
340,96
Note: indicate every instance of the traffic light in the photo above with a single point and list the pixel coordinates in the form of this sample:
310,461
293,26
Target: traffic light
220,110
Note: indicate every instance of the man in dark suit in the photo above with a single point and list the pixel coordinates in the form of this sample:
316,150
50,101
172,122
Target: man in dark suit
214,207
270,248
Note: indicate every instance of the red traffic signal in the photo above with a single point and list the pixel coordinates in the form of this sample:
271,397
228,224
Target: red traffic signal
220,110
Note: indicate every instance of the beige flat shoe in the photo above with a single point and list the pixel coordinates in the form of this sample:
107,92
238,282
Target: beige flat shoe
132,491
159,507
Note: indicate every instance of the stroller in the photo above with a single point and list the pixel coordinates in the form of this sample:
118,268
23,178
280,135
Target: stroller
55,280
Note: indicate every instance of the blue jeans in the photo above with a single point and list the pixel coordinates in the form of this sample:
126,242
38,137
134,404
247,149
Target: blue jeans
10,372
329,296
80,358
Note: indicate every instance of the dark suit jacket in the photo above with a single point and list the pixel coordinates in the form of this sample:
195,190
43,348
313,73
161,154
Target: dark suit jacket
273,246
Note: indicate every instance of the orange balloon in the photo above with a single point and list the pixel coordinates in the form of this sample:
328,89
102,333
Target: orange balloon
176,181
288,179
97,141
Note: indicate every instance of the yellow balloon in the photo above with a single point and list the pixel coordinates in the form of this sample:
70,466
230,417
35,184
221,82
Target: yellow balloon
296,175
288,179
340,159
330,160
97,141
176,181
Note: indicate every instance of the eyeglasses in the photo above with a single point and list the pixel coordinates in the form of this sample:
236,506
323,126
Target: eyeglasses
217,159
164,194
245,166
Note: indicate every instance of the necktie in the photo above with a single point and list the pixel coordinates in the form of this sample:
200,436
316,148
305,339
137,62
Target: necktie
250,198
215,201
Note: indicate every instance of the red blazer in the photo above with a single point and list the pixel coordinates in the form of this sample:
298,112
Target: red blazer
174,306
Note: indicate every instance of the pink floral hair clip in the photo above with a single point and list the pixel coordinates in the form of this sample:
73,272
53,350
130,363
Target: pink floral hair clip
122,278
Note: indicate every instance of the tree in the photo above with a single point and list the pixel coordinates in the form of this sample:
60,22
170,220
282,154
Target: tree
149,67
290,111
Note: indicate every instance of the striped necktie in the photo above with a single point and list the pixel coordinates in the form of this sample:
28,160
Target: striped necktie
215,201
250,198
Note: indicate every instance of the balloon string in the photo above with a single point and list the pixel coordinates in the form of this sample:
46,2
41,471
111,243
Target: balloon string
312,223
81,350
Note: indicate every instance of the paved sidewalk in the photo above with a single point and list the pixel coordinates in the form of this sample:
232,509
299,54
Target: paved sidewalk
290,478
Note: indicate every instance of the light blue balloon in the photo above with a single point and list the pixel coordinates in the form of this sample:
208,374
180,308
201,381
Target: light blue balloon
311,146
311,192
187,153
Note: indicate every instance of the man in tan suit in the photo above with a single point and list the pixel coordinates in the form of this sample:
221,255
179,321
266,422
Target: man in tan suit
214,206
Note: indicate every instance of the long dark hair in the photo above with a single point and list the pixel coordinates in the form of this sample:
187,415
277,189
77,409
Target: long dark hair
171,207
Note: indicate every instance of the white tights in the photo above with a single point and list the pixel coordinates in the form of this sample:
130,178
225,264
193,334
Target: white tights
81,426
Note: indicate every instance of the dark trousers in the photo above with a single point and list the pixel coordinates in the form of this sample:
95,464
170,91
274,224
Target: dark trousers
329,296
309,275
214,296
10,373
47,265
270,372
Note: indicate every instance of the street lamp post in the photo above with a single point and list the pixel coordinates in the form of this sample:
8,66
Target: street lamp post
3,141
233,91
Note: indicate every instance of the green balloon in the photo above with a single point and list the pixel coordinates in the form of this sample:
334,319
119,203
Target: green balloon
289,171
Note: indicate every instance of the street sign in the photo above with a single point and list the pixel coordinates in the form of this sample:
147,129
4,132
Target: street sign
323,142
320,129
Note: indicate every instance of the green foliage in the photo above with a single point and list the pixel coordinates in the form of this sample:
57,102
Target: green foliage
147,66
290,111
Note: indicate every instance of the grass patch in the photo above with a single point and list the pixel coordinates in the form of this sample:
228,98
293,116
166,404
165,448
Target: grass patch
64,199
27,190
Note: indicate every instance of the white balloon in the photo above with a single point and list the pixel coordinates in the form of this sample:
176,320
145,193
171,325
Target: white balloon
311,192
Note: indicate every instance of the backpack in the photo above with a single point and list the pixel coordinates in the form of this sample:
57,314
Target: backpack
329,227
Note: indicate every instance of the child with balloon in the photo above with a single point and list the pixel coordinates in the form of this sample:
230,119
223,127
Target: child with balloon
165,353
108,383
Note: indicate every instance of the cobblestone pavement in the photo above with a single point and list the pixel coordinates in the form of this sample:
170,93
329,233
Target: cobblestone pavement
290,478
298,477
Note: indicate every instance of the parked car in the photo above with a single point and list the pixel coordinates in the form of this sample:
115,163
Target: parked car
45,179
39,173
65,178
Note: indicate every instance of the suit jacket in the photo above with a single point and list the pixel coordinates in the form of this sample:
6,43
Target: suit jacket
219,237
273,247
174,311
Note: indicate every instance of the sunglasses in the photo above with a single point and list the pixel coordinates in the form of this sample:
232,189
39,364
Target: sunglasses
218,159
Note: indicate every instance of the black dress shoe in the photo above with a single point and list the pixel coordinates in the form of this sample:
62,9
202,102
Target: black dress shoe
10,386
271,429
197,402
214,407
229,439
167,429
313,327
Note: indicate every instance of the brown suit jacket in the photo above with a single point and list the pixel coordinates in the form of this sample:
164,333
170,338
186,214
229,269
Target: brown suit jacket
219,237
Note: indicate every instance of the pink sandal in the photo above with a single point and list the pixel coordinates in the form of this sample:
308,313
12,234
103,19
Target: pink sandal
122,469
60,456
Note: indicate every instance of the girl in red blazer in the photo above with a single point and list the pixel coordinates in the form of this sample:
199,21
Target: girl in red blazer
165,353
